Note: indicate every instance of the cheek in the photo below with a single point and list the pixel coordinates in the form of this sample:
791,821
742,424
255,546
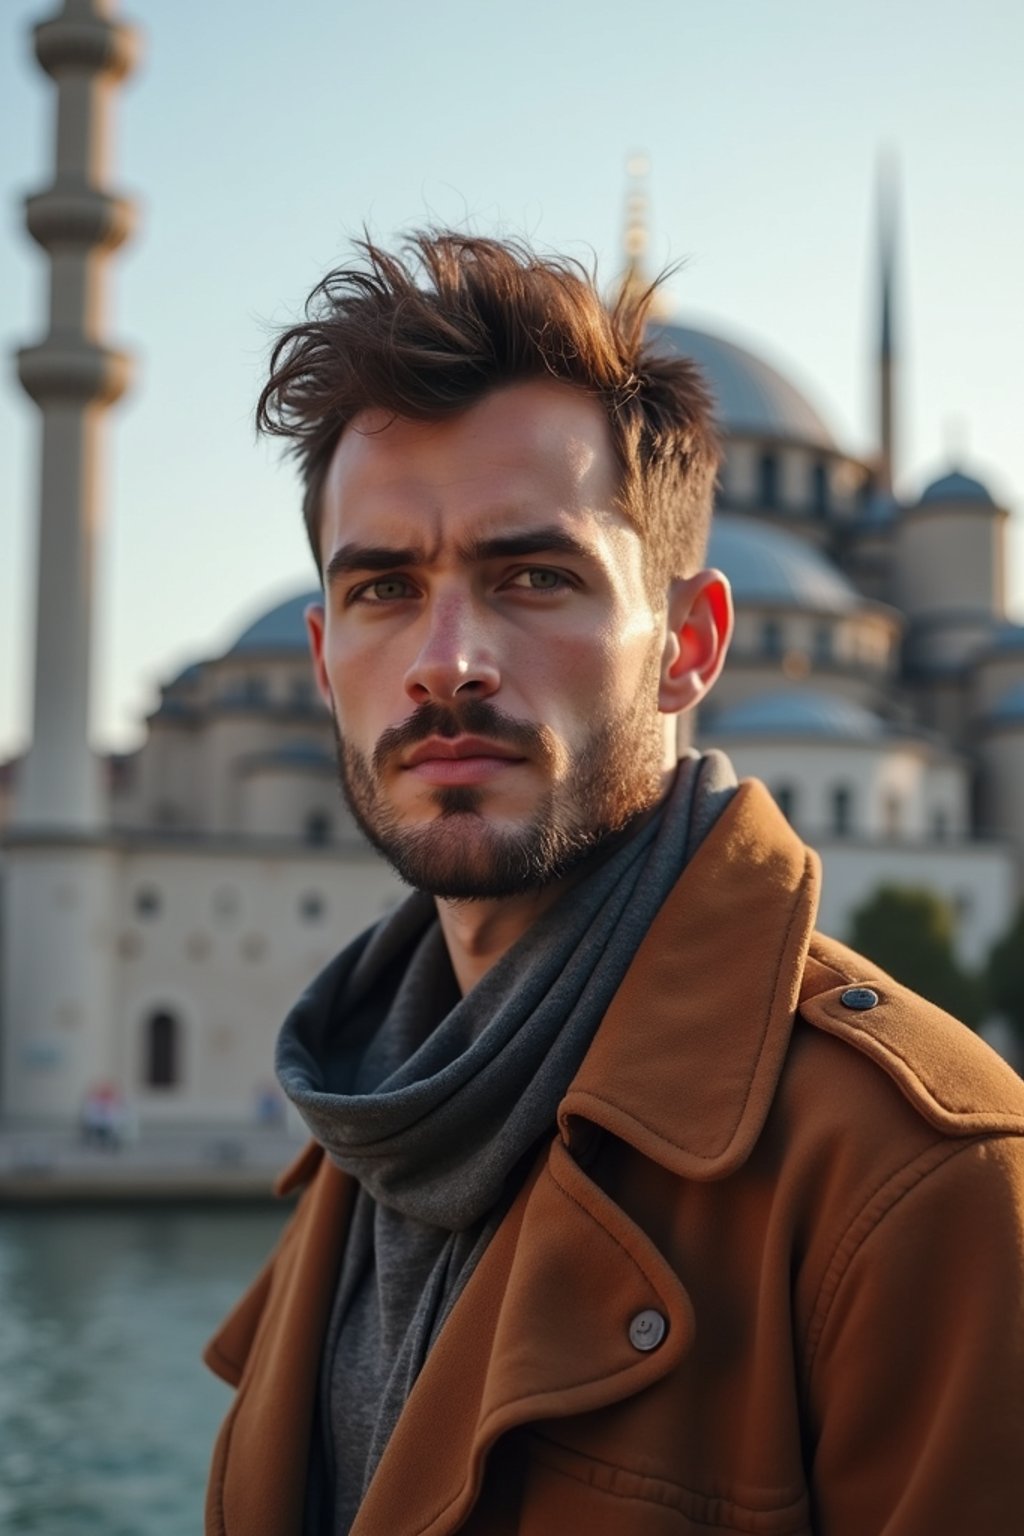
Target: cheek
594,673
357,683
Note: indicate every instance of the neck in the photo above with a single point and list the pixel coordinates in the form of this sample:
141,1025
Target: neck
478,933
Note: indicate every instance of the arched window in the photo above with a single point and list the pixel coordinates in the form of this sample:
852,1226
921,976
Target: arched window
147,902
822,643
317,830
893,815
163,1050
312,907
771,638
768,480
842,810
819,490
785,799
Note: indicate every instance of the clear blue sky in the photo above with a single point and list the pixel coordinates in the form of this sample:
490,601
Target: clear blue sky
258,137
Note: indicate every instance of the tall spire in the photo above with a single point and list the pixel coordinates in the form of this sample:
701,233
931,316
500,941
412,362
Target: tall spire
887,205
72,376
635,235
636,279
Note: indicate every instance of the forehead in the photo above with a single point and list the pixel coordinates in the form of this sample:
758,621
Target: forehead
541,447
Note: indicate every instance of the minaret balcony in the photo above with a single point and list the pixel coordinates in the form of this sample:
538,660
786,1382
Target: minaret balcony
79,217
89,44
73,369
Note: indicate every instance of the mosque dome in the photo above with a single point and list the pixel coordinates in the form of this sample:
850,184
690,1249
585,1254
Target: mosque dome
1008,637
1009,708
752,398
187,677
765,564
281,628
957,487
807,713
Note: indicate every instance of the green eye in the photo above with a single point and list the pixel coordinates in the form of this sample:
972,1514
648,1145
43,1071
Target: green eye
539,579
387,589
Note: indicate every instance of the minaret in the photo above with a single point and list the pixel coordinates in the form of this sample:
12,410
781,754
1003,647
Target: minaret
886,349
73,377
635,279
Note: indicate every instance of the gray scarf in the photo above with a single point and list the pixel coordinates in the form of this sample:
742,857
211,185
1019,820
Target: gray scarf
433,1102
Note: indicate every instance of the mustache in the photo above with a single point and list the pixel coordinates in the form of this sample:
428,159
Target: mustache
476,717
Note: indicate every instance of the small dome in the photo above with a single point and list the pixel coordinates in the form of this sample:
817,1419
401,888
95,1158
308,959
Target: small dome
752,398
807,713
957,487
881,511
279,629
1009,707
767,565
1008,637
188,677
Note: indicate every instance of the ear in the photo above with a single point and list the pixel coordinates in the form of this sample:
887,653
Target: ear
316,626
698,630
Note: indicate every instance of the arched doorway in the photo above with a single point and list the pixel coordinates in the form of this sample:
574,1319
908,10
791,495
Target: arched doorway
162,1053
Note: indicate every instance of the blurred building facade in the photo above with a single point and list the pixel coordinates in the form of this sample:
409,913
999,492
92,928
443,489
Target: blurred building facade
156,925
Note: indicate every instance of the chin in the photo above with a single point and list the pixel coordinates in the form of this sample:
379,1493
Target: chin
463,856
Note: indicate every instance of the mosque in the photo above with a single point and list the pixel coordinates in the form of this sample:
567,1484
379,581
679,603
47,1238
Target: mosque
160,916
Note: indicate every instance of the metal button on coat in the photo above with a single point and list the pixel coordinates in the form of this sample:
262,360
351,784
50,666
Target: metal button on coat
859,998
647,1329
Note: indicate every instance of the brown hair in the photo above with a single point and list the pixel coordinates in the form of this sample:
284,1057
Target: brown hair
428,333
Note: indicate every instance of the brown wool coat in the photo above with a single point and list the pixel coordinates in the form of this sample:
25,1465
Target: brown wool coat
826,1206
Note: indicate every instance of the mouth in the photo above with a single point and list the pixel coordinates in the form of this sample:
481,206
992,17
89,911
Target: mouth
460,760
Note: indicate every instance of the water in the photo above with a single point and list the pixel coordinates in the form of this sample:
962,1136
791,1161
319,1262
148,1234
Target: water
107,1415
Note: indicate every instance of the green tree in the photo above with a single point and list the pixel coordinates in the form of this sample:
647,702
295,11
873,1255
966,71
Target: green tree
1006,974
908,931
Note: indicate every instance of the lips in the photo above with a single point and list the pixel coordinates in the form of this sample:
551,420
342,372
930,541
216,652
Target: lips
441,748
462,760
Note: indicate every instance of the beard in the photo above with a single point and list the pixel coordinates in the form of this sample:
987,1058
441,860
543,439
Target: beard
463,854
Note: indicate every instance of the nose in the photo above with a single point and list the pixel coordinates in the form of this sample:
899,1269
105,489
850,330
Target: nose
454,658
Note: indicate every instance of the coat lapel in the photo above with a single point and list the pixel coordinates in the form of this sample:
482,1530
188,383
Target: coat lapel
686,1062
541,1332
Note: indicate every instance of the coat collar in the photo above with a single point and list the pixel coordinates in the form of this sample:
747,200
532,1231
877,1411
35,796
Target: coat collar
685,1064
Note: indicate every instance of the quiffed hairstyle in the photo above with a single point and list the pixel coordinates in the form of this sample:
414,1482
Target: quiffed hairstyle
429,332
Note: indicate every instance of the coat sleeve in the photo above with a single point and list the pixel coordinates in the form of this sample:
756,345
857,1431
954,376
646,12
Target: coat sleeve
917,1377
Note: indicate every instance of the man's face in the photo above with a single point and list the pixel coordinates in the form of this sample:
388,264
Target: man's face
487,647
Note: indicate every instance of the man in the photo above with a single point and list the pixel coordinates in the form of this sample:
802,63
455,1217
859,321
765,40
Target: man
634,1205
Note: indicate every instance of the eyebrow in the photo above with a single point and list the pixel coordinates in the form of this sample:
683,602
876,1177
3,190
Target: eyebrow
503,546
533,541
369,557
